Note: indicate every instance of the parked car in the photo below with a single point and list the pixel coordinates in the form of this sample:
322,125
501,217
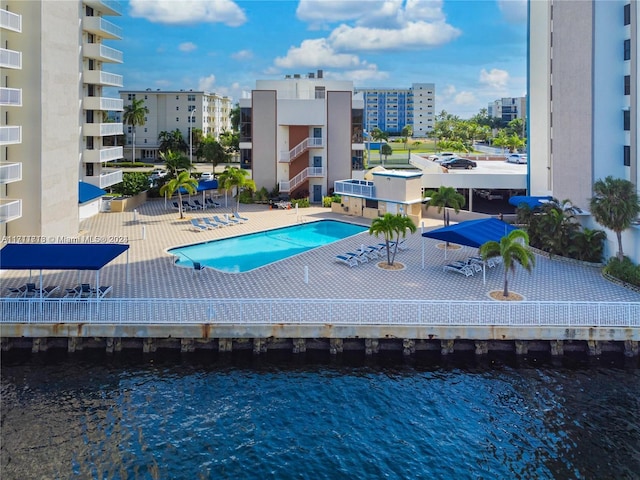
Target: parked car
517,158
490,194
441,157
458,162
157,174
206,176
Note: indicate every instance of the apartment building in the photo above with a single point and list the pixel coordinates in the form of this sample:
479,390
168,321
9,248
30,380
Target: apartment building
583,110
55,144
170,110
391,109
508,108
301,134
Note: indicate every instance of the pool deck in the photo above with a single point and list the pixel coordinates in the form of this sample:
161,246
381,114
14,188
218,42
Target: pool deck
152,273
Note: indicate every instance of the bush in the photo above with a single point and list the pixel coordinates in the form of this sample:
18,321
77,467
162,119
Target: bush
246,196
625,270
327,201
131,165
262,195
300,202
132,183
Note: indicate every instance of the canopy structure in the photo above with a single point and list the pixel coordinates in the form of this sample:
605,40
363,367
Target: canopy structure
531,202
88,192
203,186
472,233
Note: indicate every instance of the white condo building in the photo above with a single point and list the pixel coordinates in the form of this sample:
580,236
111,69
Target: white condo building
583,110
55,144
508,108
170,110
301,134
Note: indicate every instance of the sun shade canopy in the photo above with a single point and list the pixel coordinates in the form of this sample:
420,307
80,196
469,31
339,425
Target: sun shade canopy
88,192
202,186
75,256
531,202
472,233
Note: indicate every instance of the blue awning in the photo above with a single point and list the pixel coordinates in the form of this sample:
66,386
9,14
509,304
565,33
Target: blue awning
88,192
531,202
472,233
202,186
72,256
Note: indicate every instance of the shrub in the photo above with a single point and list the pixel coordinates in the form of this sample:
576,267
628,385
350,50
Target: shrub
132,183
300,202
625,270
131,165
261,196
327,201
245,196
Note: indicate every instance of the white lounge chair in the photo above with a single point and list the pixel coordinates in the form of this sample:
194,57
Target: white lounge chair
210,203
212,223
101,291
347,260
463,269
231,220
236,216
360,257
220,221
197,225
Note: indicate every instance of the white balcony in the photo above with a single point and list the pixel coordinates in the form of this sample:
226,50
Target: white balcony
106,7
102,129
101,52
101,155
10,172
10,135
102,27
106,179
99,77
309,172
10,209
360,188
10,21
295,152
10,59
10,97
102,103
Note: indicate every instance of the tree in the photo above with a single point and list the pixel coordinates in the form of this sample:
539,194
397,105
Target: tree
238,178
134,115
387,226
513,250
386,150
183,180
234,116
378,136
615,205
172,141
212,151
132,183
175,161
407,132
230,141
445,197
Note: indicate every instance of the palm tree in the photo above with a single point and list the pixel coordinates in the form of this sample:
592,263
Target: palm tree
615,205
134,115
388,225
386,150
378,135
183,180
512,251
175,161
238,178
445,197
407,132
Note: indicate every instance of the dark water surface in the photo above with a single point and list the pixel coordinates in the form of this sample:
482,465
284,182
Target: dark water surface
146,419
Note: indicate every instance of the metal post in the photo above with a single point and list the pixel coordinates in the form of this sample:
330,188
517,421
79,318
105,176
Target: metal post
191,137
144,232
306,274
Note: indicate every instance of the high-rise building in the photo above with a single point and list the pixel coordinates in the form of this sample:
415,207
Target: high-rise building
55,142
301,134
508,108
391,109
175,110
583,109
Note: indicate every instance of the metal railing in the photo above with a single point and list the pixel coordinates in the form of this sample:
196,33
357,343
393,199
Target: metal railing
10,97
10,135
100,77
306,144
10,209
10,21
10,59
287,186
102,52
249,311
102,129
102,26
355,187
10,172
102,103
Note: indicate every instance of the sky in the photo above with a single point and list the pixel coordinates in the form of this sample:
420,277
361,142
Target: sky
473,50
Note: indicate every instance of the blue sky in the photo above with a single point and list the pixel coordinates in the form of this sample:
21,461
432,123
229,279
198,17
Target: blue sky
473,50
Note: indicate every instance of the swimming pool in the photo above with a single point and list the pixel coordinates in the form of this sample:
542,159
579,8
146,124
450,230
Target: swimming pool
247,252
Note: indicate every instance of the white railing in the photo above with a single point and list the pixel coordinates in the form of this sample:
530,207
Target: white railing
287,186
107,7
362,188
10,21
102,52
102,27
10,97
10,209
266,311
99,77
102,129
106,179
10,135
10,59
102,103
10,172
306,144
102,155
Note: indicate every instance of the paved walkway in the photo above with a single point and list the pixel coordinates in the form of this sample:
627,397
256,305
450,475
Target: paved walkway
152,273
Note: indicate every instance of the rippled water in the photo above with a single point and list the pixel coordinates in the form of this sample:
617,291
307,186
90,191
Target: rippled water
80,419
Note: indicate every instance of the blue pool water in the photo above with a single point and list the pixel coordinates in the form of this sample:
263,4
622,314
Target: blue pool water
247,252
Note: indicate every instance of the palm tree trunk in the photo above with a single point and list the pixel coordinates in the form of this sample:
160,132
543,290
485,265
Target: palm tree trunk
133,153
180,204
388,251
620,252
506,283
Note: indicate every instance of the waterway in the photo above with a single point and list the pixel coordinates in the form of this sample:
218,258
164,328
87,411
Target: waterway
183,418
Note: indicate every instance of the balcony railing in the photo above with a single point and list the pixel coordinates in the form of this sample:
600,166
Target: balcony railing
106,7
361,188
10,135
102,103
10,59
10,21
10,209
102,155
102,27
106,179
288,186
10,172
10,97
306,144
101,52
99,77
102,129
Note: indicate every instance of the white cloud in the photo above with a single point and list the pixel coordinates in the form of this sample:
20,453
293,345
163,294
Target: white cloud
207,83
514,11
242,55
465,98
189,11
358,75
187,47
496,79
317,53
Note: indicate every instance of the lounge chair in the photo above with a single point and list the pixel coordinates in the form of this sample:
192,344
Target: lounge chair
236,216
188,206
72,292
231,220
101,291
220,221
360,257
17,291
212,223
378,249
463,269
347,260
47,291
210,203
368,252
197,225
176,206
199,205
402,245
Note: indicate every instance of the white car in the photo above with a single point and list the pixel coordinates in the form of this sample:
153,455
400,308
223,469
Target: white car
517,158
441,157
206,176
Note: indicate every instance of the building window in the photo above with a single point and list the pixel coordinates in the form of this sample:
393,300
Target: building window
177,108
319,92
145,97
145,129
131,96
627,49
177,97
627,84
627,120
191,98
627,156
177,119
627,14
